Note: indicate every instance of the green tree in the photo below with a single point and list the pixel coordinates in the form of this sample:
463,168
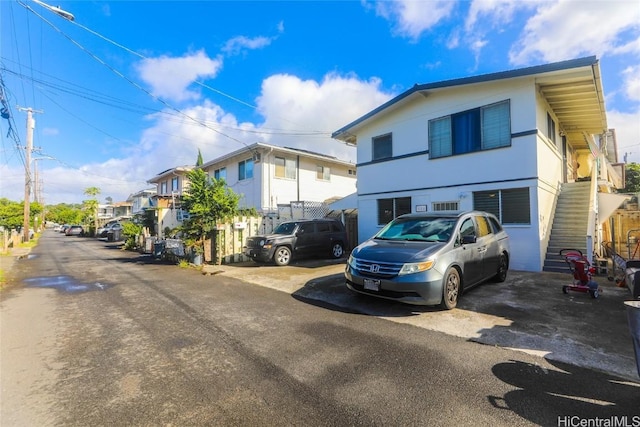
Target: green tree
12,213
632,178
90,206
199,160
208,201
130,230
64,213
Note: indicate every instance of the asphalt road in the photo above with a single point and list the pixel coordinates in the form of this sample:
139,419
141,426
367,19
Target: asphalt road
92,335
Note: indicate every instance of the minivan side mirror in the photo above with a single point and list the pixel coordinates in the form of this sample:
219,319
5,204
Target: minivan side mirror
468,239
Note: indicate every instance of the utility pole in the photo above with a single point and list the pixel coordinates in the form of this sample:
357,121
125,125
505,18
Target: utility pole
27,172
30,125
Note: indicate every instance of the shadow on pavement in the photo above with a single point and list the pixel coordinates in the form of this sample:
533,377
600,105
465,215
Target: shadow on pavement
569,394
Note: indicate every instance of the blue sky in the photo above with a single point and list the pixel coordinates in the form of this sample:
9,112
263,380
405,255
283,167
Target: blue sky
131,88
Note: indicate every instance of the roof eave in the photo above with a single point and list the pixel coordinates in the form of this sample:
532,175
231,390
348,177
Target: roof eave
347,133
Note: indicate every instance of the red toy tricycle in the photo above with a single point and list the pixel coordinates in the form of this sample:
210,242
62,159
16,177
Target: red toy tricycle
582,272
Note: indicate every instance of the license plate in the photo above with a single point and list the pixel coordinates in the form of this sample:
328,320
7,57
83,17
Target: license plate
372,284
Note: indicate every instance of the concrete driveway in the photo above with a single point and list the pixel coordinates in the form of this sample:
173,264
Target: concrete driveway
527,312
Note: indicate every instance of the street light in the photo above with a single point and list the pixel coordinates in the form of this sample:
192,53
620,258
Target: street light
56,9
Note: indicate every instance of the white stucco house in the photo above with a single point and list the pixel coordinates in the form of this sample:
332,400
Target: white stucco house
275,180
514,143
170,184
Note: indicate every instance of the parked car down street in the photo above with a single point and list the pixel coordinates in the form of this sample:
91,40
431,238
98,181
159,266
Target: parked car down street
430,258
104,231
74,230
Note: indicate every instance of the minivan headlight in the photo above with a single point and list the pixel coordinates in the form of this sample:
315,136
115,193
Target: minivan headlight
351,261
415,267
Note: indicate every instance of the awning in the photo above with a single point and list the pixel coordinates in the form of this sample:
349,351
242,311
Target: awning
608,203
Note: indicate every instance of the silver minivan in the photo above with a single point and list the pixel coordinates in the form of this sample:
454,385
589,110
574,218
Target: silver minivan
430,258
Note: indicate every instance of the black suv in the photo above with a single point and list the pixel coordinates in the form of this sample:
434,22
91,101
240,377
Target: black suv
302,238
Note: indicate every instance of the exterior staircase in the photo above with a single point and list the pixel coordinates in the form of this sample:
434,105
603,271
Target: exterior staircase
570,224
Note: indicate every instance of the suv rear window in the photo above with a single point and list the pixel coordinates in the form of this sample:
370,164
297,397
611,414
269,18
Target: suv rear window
306,227
323,227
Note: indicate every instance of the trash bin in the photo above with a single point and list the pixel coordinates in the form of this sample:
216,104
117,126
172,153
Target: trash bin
117,235
633,316
158,248
110,236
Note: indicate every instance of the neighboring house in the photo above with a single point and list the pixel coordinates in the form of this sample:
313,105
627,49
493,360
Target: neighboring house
122,210
105,212
113,211
170,185
283,181
142,201
515,143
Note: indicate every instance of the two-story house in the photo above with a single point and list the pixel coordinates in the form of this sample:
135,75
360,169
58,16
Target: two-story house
142,200
283,181
170,185
530,145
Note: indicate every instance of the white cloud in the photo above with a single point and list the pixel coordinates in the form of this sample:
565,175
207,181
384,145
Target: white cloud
631,77
170,77
292,105
485,17
569,29
493,13
240,44
412,17
627,126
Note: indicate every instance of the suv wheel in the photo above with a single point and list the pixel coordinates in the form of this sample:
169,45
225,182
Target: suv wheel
282,256
337,250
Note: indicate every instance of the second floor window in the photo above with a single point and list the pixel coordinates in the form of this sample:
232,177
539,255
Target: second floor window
220,174
479,129
175,184
285,168
551,128
382,147
323,173
163,187
245,169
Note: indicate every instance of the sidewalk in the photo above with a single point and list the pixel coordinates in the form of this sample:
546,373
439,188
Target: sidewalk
8,260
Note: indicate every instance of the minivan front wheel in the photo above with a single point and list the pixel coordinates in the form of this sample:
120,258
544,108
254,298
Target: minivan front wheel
337,250
450,289
282,256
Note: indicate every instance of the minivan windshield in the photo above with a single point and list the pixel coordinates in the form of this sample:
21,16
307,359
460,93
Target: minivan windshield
285,228
425,229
